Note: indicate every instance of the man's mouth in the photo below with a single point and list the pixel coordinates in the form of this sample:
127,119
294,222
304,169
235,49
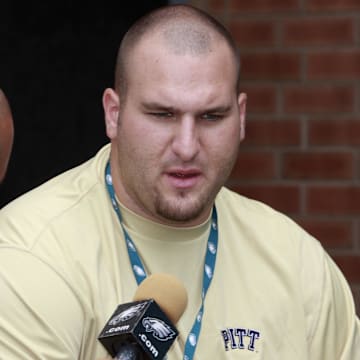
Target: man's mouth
182,175
183,178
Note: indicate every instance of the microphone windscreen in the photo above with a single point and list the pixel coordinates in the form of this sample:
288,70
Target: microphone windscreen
167,291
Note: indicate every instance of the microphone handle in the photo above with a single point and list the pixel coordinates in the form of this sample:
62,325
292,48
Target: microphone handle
131,351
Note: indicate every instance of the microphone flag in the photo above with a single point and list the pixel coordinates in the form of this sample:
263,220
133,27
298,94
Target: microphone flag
139,322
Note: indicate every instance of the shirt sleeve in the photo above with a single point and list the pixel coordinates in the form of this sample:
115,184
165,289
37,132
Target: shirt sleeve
333,327
41,316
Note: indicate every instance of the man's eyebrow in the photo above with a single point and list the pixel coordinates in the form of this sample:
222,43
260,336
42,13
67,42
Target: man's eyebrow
156,105
218,109
153,105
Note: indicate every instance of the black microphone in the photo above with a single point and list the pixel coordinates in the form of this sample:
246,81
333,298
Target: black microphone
144,328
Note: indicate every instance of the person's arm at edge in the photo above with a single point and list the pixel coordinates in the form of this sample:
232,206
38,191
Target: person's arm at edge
6,134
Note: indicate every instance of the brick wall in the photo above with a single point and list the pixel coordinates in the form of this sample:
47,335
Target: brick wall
301,71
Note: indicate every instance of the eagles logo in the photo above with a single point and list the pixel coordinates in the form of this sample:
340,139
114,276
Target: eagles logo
127,314
160,330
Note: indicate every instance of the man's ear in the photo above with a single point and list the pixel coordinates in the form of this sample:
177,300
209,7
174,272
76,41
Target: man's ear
111,105
242,114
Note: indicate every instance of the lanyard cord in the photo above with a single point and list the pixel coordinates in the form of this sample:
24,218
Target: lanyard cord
140,273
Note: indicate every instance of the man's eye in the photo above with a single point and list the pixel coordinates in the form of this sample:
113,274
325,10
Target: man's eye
161,114
212,117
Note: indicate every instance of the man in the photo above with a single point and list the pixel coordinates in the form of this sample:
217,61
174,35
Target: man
6,134
259,285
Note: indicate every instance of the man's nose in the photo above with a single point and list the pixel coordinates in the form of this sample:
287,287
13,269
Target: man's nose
186,139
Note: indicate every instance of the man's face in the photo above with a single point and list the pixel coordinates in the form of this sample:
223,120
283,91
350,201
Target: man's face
178,133
6,134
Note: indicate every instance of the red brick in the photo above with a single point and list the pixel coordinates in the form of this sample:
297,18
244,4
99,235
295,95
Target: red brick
356,293
319,98
216,5
333,5
333,200
272,132
260,98
334,65
319,31
254,165
281,197
334,132
275,66
253,33
215,8
333,234
350,265
264,5
318,165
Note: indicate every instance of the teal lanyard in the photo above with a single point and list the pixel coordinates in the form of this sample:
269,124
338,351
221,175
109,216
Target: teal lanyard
140,273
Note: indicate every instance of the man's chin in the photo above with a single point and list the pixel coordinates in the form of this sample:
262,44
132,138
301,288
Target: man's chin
180,211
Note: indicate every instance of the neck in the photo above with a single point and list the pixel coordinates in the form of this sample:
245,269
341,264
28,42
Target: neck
149,229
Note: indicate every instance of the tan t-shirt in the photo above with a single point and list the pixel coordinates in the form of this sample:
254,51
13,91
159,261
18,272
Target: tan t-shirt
64,268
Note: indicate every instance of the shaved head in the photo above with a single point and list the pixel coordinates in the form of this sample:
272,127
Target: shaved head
183,29
182,38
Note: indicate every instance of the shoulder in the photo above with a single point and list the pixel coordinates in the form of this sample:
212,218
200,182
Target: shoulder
252,212
260,229
25,218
